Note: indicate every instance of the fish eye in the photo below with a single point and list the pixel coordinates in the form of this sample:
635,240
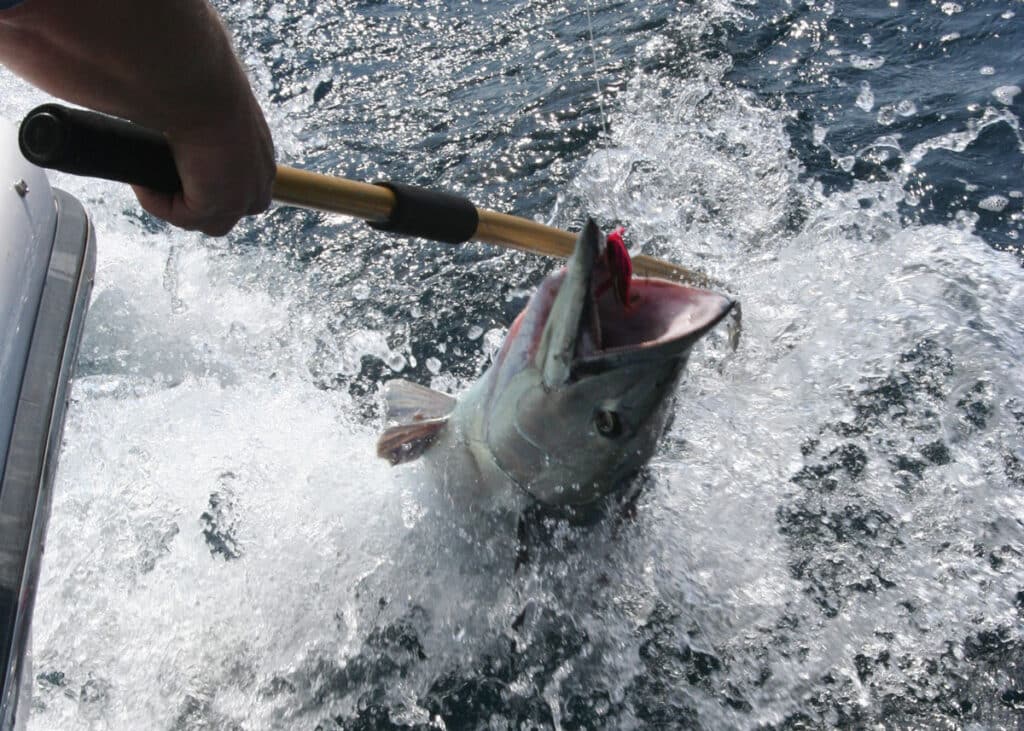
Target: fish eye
607,423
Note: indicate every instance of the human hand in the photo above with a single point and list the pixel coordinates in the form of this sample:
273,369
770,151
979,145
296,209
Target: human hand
201,100
227,171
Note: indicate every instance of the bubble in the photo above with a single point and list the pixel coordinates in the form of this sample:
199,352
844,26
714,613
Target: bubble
866,97
986,71
395,361
906,108
995,203
433,365
1006,94
474,332
867,63
492,341
359,344
951,8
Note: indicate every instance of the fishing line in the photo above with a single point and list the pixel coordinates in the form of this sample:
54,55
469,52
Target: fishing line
600,107
597,73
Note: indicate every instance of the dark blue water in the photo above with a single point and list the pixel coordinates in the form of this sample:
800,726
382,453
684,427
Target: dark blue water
943,60
833,533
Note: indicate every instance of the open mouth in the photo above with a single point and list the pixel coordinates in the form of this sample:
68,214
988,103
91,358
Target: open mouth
662,319
597,316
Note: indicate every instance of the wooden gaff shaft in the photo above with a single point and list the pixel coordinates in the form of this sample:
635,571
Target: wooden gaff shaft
374,203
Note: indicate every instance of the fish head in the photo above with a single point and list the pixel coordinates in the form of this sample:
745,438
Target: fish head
586,381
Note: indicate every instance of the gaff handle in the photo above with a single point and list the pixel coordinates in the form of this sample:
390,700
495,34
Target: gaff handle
81,142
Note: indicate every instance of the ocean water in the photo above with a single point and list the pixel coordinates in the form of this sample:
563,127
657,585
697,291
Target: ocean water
832,532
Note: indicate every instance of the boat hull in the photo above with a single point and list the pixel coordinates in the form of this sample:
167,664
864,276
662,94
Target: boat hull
47,263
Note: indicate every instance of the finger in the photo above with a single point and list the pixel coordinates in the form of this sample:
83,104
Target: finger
175,210
265,195
219,227
261,202
154,203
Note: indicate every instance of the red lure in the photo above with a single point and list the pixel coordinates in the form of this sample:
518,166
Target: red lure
620,266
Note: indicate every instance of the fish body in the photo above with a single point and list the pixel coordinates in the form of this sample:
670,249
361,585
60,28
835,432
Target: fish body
577,397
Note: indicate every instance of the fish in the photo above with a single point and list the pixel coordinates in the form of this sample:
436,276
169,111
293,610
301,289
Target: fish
576,399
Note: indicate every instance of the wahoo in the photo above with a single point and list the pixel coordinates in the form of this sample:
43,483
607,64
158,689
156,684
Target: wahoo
576,399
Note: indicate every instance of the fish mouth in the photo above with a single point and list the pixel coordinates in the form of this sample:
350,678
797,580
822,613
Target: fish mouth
662,319
593,323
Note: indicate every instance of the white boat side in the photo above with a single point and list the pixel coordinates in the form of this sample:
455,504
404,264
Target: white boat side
28,218
47,262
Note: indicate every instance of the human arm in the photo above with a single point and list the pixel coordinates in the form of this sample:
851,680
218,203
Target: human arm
169,66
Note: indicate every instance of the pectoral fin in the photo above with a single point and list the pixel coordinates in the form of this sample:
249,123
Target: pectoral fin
419,414
407,442
408,402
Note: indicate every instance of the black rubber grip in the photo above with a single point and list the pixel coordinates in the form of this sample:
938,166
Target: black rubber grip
430,214
81,142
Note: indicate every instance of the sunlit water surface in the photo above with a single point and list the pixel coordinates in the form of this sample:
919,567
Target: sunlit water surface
832,533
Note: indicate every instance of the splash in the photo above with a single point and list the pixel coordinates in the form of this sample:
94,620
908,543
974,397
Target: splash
829,536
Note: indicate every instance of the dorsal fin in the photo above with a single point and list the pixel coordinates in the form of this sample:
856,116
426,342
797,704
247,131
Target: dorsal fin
407,402
406,442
